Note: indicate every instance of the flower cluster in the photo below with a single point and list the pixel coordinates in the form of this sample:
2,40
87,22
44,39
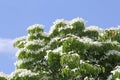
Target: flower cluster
35,26
22,73
19,62
113,52
117,69
3,75
96,28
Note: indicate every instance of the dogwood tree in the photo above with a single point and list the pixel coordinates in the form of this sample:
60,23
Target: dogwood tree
70,51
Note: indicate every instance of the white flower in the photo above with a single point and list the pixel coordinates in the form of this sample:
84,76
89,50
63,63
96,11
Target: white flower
24,38
90,41
117,69
59,49
22,73
48,51
66,27
3,75
60,21
57,22
19,51
75,69
35,26
81,62
113,52
77,20
101,34
117,79
94,28
85,40
75,54
45,34
35,42
53,40
52,28
19,62
112,42
110,52
86,78
68,23
27,72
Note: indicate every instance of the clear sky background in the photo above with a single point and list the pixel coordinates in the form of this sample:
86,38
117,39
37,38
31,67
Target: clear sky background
17,15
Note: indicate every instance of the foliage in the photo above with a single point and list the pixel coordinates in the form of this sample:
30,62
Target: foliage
70,51
3,76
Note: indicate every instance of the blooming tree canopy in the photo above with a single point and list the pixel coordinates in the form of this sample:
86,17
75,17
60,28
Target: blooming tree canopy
70,51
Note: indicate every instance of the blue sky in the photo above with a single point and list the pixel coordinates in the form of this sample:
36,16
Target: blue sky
17,15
